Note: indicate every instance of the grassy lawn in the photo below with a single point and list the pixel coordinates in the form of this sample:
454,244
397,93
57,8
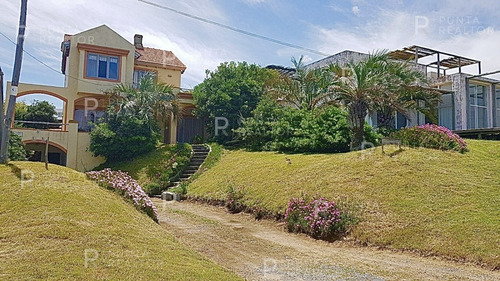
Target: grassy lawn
48,224
430,201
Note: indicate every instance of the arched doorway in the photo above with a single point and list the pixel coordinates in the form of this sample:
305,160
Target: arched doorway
56,153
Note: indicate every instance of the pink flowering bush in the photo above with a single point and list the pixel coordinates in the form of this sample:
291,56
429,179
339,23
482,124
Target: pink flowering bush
318,218
124,184
233,200
431,136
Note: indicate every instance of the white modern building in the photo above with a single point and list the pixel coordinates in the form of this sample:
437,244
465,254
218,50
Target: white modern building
470,103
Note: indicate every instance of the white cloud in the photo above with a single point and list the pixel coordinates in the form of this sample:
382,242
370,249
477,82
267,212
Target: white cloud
336,8
48,21
356,10
253,2
396,29
203,46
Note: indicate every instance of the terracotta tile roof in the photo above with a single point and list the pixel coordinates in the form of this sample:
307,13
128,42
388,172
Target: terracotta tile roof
159,57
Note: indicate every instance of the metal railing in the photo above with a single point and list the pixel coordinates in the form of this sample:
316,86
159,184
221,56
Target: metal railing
50,125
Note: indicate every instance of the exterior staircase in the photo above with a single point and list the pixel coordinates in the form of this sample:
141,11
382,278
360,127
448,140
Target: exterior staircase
200,152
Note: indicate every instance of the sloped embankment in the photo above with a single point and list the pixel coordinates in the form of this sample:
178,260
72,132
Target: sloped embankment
429,201
59,225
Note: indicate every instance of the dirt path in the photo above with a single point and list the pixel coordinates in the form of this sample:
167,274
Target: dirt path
262,250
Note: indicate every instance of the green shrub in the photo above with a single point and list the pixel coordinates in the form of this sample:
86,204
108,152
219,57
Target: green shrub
385,131
16,151
181,189
197,139
153,188
275,127
123,138
231,91
169,169
431,136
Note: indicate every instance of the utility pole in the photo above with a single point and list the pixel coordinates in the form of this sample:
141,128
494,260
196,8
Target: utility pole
15,82
2,109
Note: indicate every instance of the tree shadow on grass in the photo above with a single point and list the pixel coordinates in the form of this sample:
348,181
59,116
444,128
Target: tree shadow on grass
394,153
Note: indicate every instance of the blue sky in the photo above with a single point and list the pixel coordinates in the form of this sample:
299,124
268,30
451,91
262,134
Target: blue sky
468,28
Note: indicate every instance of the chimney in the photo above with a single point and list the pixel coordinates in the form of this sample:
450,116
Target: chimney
138,42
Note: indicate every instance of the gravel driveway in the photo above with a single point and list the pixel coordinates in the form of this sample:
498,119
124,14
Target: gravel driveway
262,250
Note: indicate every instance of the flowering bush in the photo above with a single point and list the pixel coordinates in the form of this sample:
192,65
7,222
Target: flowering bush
233,200
122,183
318,218
431,136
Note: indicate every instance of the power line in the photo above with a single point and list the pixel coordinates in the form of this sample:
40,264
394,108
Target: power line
48,66
76,78
248,33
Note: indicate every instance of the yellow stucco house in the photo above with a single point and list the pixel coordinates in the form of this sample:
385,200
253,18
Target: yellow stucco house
94,61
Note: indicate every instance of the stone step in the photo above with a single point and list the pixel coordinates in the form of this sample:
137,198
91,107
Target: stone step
198,158
202,158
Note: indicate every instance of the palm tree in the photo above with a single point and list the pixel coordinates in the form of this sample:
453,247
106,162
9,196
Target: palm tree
304,89
377,83
412,92
150,100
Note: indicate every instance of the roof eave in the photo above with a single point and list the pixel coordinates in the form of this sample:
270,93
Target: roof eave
160,65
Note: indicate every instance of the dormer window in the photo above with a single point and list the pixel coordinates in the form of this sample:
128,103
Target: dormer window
102,67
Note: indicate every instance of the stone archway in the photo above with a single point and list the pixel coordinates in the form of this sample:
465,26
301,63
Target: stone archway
64,117
57,154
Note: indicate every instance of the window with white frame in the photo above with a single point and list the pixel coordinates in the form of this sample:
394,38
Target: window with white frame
102,66
478,112
497,105
139,74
